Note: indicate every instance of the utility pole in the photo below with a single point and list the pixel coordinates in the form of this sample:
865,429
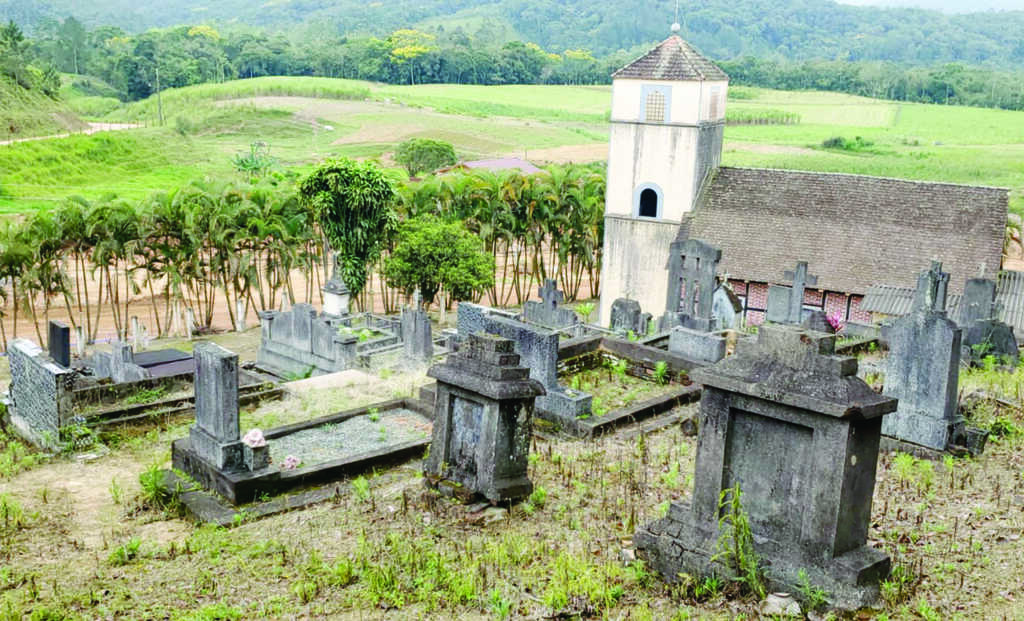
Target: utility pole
159,100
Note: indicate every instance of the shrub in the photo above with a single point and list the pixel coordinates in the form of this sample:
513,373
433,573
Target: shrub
424,155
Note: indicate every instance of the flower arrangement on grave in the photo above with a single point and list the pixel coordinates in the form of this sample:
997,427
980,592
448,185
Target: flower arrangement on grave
254,439
835,320
291,462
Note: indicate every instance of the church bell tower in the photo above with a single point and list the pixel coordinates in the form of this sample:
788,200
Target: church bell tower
668,116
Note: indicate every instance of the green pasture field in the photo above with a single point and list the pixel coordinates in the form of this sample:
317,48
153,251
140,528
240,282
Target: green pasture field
304,120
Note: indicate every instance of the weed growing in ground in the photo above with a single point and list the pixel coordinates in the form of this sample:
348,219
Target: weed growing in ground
125,553
813,598
736,543
361,488
116,492
146,395
15,456
661,372
155,493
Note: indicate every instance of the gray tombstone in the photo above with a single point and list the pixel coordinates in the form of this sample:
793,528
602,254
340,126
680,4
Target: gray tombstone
482,422
786,304
922,370
791,425
215,435
626,316
59,343
417,339
983,333
549,312
692,267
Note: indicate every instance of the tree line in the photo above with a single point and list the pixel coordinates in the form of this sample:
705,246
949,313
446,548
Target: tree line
135,66
225,244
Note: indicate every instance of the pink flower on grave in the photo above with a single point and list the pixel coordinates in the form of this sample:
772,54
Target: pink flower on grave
835,320
291,462
254,439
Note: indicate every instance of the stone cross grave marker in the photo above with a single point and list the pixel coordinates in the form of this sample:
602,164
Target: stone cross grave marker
786,304
549,312
59,343
692,267
922,369
215,435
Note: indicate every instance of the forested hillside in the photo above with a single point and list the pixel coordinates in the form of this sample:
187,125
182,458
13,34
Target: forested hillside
724,29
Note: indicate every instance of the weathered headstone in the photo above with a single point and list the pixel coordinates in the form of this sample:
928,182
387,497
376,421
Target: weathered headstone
538,349
983,333
626,316
786,304
482,422
792,426
549,312
59,343
417,339
215,435
922,370
692,267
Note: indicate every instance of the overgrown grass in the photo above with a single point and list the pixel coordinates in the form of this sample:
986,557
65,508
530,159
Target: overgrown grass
25,113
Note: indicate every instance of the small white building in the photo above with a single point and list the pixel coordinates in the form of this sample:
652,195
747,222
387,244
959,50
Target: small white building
668,115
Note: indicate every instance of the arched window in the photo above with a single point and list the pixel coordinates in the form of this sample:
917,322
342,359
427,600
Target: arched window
647,200
648,204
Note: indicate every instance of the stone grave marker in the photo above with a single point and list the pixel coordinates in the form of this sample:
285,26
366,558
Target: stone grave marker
482,422
215,436
791,425
417,339
983,333
538,349
692,268
59,343
786,304
626,316
549,312
922,370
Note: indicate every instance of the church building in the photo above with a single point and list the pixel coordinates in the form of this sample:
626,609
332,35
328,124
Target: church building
665,183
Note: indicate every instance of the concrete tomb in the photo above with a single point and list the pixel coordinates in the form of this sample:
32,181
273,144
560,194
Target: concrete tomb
786,304
983,333
549,312
538,350
298,342
692,268
689,309
791,425
922,369
626,316
39,401
482,422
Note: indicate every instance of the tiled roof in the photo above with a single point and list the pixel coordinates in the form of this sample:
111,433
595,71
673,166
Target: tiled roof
854,231
672,59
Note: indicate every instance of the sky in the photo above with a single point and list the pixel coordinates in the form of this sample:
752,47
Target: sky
948,6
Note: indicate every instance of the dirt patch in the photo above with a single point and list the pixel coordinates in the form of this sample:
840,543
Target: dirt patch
768,149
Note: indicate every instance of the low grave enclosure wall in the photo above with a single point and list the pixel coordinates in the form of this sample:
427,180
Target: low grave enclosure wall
592,352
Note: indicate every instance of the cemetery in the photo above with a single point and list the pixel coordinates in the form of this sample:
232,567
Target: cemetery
711,444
